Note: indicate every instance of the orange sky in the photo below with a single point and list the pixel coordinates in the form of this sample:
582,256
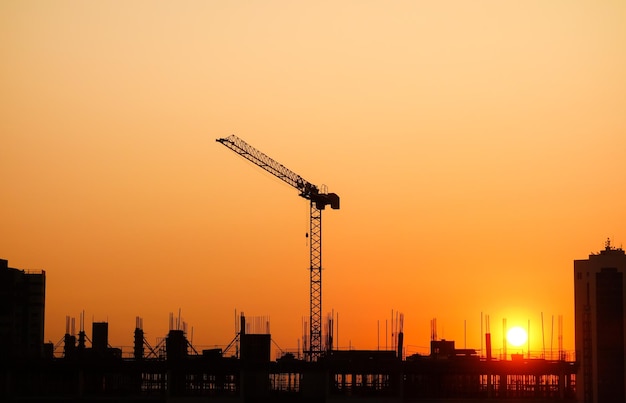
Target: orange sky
478,149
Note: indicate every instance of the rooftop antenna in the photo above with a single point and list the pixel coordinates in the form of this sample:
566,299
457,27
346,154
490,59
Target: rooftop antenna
560,338
337,332
528,345
504,339
543,338
488,338
481,333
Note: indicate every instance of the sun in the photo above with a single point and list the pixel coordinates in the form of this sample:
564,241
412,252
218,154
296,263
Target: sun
516,336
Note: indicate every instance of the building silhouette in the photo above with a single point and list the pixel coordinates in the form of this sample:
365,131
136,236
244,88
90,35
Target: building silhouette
599,285
89,369
22,307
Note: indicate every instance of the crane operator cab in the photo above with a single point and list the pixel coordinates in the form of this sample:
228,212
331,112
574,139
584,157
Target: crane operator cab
323,199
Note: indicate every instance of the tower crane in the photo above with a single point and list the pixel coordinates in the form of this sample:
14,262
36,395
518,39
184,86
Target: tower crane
318,201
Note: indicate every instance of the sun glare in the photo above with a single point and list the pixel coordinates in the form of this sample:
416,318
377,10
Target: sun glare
516,336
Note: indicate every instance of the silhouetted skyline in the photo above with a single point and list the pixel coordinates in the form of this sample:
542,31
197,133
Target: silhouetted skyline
477,149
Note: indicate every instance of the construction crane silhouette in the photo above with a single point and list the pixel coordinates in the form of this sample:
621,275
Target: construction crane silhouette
318,201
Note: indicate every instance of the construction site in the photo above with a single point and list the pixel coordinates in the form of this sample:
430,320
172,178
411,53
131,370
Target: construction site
82,367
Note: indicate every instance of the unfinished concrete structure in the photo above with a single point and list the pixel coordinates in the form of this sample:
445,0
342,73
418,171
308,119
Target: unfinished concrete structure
174,371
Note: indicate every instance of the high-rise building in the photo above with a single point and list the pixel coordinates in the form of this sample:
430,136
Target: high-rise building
600,304
22,309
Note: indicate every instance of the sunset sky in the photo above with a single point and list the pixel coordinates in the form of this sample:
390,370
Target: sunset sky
478,148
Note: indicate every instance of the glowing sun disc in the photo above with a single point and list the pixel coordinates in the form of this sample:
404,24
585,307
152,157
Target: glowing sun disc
516,336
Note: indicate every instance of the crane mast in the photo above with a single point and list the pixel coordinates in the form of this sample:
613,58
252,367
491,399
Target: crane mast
318,201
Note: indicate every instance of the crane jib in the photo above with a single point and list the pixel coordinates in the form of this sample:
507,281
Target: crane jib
307,190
